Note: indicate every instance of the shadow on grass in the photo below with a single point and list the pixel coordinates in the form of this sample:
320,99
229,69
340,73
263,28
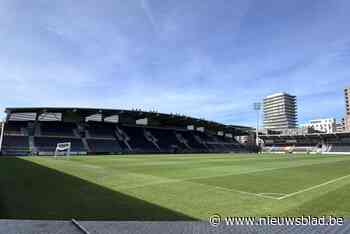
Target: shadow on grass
32,191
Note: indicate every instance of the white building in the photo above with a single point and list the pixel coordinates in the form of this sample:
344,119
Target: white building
341,126
323,125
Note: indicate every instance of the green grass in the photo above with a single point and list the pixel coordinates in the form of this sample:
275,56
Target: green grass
173,187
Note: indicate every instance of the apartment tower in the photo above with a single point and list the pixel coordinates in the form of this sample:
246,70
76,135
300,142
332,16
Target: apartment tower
280,111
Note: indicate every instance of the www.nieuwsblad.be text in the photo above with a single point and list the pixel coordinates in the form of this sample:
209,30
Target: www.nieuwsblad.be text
216,220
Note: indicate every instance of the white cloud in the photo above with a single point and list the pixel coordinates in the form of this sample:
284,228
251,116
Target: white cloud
104,54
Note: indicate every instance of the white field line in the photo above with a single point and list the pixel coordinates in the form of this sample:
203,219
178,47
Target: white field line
241,192
91,166
163,180
211,186
263,195
248,171
208,185
312,187
267,194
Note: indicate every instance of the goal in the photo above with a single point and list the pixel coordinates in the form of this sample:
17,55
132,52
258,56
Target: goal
63,149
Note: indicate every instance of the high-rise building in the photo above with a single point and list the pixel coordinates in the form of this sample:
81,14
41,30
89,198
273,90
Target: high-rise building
280,111
347,108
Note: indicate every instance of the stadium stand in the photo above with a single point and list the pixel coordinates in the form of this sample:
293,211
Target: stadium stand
57,129
338,148
308,143
104,146
29,131
48,144
16,128
17,145
138,141
340,145
194,141
100,130
167,140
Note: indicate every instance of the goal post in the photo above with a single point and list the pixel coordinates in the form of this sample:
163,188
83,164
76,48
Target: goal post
64,148
289,149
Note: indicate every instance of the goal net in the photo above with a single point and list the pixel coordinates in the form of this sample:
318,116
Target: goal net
289,149
63,149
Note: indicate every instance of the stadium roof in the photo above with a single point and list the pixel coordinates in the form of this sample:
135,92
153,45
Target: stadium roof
160,119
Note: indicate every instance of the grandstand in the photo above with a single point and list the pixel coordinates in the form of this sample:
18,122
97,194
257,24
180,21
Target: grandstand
326,143
37,131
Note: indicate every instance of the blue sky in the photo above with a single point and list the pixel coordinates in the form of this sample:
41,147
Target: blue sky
208,59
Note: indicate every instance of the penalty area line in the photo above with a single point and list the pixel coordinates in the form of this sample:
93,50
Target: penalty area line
261,195
312,187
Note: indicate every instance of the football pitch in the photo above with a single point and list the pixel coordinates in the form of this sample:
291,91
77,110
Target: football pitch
173,187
